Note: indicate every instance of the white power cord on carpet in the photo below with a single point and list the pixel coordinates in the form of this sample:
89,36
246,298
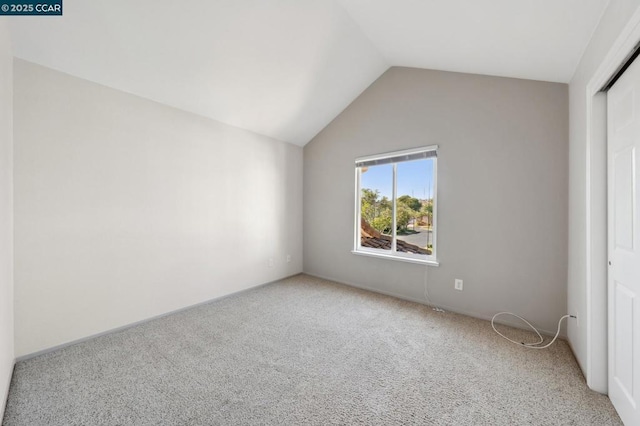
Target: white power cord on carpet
529,345
426,291
535,345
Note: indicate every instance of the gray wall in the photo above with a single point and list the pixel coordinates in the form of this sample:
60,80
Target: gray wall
6,214
502,190
126,208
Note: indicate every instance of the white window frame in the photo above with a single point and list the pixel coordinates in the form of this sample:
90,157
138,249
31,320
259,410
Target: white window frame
393,254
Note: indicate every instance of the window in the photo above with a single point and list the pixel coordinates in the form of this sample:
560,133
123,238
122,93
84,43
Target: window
396,205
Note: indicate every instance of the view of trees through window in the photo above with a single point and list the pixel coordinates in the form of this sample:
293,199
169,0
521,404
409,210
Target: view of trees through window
414,206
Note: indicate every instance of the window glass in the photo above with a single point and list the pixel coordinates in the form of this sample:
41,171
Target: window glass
396,196
414,206
376,206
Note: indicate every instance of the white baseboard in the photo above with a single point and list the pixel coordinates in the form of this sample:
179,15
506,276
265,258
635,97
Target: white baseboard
446,308
133,324
5,393
360,286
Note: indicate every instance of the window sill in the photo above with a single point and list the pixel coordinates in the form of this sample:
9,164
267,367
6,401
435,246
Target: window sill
427,262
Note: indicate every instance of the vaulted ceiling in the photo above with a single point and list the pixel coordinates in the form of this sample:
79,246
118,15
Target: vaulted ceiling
286,68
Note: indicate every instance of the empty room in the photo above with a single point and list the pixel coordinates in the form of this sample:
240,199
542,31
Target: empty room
311,212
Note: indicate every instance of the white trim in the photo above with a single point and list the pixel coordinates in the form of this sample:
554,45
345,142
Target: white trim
362,251
356,221
393,253
5,395
618,52
134,324
434,213
515,324
397,153
626,41
394,210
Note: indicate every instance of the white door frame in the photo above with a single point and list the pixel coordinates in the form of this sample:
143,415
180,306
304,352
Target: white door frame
596,372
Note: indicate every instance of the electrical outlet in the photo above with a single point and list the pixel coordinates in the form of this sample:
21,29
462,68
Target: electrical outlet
458,284
271,262
288,258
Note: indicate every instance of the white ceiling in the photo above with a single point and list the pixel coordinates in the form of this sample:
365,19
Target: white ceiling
286,68
530,39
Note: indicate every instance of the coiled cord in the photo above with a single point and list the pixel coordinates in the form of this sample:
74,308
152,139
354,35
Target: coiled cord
529,345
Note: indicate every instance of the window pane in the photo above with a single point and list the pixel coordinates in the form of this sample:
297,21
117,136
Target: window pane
415,186
376,206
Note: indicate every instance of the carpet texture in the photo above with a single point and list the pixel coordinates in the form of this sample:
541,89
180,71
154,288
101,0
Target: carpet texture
306,351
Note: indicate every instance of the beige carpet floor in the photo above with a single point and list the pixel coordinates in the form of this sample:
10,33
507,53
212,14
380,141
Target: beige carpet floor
305,351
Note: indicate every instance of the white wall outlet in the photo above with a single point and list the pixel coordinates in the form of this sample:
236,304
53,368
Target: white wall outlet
458,284
271,263
288,258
